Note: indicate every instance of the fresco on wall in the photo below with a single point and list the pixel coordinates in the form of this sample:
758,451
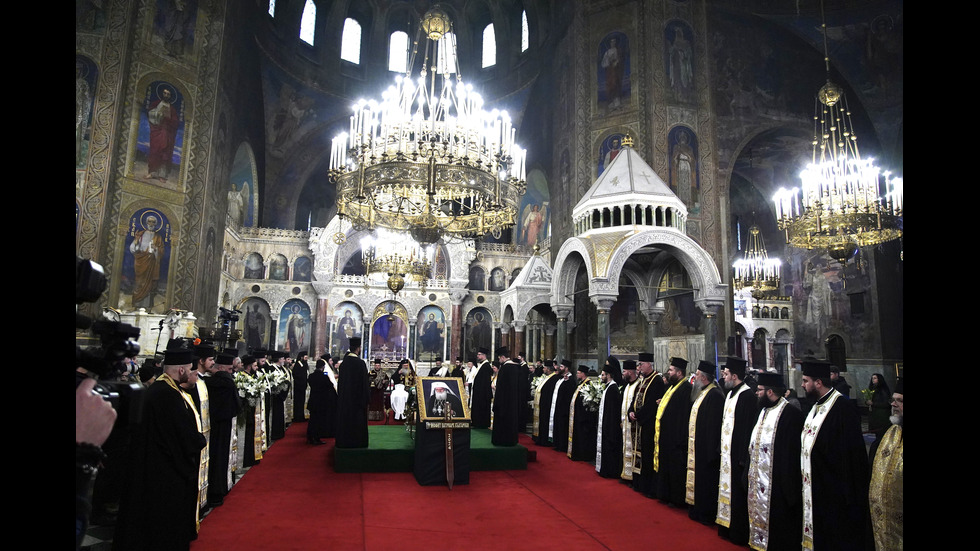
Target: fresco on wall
613,72
89,15
389,332
431,330
86,77
278,267
294,326
303,269
349,323
679,61
608,150
254,266
478,332
498,279
242,196
684,173
146,262
535,223
258,324
477,279
160,137
294,115
173,26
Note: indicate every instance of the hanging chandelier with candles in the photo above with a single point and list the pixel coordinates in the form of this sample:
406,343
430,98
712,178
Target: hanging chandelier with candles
427,158
755,269
399,256
845,201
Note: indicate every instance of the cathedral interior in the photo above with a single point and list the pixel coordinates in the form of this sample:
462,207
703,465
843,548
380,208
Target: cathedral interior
203,175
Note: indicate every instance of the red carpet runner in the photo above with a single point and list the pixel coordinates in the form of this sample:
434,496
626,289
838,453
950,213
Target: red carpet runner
294,500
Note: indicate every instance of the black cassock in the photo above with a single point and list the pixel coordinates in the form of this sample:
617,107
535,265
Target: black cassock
840,479
562,405
223,403
746,415
544,410
611,446
584,428
248,446
300,370
322,406
672,463
353,395
482,396
786,485
279,411
162,483
646,416
707,456
507,404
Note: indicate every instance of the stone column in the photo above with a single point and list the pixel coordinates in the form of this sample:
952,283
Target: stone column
504,337
549,342
412,344
518,337
456,298
710,326
653,315
603,304
562,330
321,331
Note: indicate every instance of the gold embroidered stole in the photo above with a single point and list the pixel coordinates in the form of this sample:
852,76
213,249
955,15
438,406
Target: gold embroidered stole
571,416
660,413
189,402
887,490
725,476
598,435
691,427
815,419
761,453
202,475
537,403
641,396
627,427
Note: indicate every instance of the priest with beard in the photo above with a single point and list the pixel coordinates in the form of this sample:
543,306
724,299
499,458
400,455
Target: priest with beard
542,404
322,405
644,415
224,406
582,423
353,396
508,397
441,399
609,436
673,417
739,417
631,381
704,445
886,496
301,370
775,488
562,402
481,394
835,468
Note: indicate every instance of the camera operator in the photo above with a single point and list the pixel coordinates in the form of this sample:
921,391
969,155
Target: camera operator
94,418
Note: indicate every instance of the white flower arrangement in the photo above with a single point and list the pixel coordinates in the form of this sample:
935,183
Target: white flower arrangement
249,388
591,394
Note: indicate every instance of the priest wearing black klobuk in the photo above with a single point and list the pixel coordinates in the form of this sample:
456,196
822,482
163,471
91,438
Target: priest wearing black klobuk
644,413
159,509
224,406
481,393
673,417
704,445
441,399
301,370
322,405
507,401
353,395
582,421
542,405
562,401
740,415
609,435
775,487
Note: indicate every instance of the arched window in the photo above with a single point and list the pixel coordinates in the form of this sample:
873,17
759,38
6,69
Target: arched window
525,35
398,52
447,54
489,47
272,8
350,42
307,25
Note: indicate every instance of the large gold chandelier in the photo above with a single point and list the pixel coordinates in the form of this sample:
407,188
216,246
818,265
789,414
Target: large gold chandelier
755,269
427,158
399,256
845,201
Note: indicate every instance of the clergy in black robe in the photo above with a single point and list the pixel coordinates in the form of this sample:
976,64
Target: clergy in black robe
740,415
353,395
159,503
561,405
481,393
775,487
672,430
507,400
322,405
224,406
609,437
301,370
704,453
279,395
247,411
835,466
582,423
644,413
543,409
